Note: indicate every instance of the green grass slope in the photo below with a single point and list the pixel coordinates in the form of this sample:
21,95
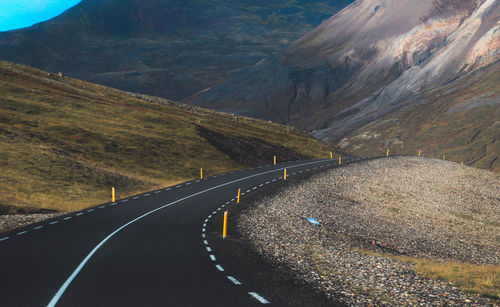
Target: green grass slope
460,120
65,142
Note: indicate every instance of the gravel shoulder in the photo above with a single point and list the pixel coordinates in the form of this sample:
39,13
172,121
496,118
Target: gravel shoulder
10,222
401,205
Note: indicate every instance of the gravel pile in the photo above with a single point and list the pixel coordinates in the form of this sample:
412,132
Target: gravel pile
9,222
411,206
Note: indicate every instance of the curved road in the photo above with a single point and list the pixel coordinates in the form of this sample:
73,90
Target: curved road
146,250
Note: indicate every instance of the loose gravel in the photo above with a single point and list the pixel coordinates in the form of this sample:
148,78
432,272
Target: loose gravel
403,205
9,222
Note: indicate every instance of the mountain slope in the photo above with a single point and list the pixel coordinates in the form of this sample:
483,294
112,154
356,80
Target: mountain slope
168,48
65,142
366,62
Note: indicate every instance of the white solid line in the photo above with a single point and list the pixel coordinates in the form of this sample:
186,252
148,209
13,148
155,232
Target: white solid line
79,213
209,249
219,268
54,222
212,257
21,233
259,298
68,281
67,218
205,242
38,227
234,280
3,239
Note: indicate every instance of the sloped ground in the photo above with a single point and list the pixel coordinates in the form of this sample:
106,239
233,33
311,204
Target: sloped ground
64,142
378,219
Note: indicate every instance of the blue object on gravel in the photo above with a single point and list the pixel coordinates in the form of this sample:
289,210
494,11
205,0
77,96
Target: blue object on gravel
313,221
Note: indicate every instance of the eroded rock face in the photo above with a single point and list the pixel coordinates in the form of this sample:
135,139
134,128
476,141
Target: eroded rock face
364,62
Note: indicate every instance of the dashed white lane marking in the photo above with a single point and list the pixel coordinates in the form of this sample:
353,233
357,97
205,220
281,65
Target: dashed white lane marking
21,233
210,216
188,183
212,257
219,268
67,218
261,185
102,207
215,176
234,280
223,206
248,191
90,210
203,235
274,180
146,195
112,204
178,186
206,220
125,200
54,222
214,212
267,182
308,169
227,203
168,189
232,199
79,213
242,193
136,197
156,192
294,173
254,188
3,239
218,209
259,298
209,249
205,225
281,178
38,227
205,242
315,168
197,180
300,172
203,229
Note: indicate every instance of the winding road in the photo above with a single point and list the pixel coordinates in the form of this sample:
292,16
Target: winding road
147,250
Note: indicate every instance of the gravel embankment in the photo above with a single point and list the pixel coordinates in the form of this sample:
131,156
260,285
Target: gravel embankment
9,222
411,206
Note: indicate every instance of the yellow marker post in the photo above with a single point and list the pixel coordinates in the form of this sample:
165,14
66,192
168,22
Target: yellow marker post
113,194
444,157
340,160
331,155
419,152
462,163
201,173
274,160
238,197
224,227
387,153
284,174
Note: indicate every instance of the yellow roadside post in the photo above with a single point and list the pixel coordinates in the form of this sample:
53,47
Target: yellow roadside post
224,227
238,197
274,160
113,194
444,157
340,160
387,153
331,155
201,173
419,152
284,174
462,163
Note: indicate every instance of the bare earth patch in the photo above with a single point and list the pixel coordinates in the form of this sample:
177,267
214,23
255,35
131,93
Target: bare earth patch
404,207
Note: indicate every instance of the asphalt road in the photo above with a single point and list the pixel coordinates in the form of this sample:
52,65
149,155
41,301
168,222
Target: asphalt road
147,250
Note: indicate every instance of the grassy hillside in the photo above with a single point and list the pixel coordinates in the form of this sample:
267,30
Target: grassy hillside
460,120
65,142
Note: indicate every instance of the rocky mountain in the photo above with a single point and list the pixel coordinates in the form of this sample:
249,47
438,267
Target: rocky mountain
381,63
168,48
